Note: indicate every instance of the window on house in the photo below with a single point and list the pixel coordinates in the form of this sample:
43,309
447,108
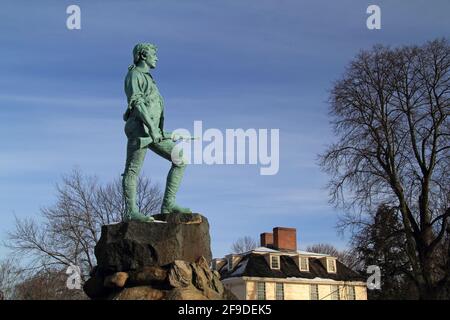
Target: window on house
331,265
230,263
261,290
351,295
314,291
304,265
335,293
274,262
279,291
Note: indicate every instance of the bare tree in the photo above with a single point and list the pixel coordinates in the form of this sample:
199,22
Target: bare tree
390,112
46,284
244,244
345,256
324,248
69,229
10,275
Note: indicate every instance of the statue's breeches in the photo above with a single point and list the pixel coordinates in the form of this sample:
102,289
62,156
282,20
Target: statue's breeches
133,165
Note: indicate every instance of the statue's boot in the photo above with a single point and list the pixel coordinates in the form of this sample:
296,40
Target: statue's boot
137,216
172,185
132,211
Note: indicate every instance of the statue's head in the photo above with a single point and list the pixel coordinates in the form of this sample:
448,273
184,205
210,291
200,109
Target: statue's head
145,52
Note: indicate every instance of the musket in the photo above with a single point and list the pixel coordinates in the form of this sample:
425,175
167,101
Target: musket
145,141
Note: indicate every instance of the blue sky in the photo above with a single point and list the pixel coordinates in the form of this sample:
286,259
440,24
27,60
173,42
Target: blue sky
231,64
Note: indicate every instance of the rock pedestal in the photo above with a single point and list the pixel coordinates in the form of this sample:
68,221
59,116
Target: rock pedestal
152,261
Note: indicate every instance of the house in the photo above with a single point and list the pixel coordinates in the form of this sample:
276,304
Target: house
278,271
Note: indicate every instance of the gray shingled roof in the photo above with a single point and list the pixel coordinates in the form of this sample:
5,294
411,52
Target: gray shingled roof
255,265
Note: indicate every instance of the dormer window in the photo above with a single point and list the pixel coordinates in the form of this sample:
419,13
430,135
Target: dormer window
331,265
274,262
217,263
303,263
230,263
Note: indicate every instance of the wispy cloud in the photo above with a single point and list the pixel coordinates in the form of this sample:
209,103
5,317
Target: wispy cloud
231,64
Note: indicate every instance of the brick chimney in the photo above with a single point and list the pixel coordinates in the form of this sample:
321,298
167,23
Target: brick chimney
266,239
285,238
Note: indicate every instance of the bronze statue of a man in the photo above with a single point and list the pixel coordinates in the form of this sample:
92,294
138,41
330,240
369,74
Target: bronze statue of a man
144,129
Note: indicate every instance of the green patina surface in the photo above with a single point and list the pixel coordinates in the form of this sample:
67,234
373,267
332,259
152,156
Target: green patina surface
144,129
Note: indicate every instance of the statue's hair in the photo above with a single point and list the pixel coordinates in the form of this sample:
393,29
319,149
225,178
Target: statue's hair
142,48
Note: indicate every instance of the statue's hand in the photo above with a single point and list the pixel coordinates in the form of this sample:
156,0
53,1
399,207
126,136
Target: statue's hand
157,138
175,137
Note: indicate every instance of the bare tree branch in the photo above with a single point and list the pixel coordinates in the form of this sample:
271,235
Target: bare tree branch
390,112
71,227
